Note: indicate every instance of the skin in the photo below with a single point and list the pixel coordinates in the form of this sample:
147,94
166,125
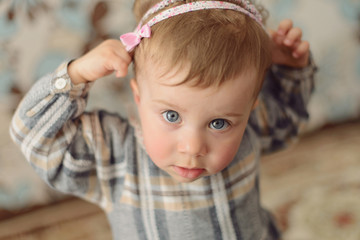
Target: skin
183,135
288,48
189,146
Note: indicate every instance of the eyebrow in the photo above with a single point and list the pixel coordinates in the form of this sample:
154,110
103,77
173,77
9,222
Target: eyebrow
233,114
173,106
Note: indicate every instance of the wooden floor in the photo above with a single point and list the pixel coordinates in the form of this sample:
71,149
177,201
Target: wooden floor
71,219
74,219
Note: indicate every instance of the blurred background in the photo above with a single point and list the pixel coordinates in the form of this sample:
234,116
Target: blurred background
313,187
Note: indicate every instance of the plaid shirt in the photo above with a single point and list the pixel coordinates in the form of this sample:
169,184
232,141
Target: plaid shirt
97,156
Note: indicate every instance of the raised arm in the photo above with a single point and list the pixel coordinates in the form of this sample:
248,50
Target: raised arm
67,147
283,100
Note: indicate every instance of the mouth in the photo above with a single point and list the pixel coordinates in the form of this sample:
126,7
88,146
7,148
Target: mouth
189,173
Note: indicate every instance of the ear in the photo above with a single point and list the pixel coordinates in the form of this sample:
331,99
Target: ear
256,103
135,90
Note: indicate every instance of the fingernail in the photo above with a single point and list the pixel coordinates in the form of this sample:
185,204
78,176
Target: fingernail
295,55
288,42
279,40
281,32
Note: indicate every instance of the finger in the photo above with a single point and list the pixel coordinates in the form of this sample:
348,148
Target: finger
120,50
302,49
120,68
113,63
124,60
120,59
272,33
120,74
276,38
293,36
284,27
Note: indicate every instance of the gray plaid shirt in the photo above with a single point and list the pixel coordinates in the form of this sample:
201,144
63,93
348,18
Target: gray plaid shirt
97,156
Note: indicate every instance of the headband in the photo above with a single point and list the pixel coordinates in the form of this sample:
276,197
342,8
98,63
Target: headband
132,39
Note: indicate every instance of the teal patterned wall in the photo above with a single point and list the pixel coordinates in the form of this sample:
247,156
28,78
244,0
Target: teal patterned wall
36,35
333,29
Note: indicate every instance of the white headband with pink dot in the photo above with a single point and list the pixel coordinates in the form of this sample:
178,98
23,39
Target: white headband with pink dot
132,39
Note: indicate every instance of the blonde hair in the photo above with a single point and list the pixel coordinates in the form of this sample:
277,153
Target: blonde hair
218,44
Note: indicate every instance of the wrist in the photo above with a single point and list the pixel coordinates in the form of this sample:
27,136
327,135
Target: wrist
294,72
73,73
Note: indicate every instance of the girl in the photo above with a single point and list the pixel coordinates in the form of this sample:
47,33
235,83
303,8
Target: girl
190,171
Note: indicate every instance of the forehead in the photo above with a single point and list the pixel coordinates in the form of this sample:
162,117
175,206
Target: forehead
201,68
157,83
151,68
160,71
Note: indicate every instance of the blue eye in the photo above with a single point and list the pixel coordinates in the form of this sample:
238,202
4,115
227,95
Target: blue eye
171,116
219,124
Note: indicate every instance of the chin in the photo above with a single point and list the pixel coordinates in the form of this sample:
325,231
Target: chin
180,179
186,180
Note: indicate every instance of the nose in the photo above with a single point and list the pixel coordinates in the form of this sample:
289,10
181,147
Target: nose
193,143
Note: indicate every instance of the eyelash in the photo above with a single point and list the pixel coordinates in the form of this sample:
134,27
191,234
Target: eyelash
164,114
226,124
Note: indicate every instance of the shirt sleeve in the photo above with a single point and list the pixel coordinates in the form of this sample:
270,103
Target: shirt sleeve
69,148
282,109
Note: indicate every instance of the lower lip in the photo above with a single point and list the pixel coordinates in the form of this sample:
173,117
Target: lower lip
188,173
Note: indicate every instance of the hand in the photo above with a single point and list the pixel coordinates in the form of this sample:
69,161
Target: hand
288,47
110,56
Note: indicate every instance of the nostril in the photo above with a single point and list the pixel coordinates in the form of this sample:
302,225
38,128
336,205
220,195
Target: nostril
193,149
193,143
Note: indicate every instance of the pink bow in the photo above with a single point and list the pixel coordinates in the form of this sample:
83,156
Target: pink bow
132,39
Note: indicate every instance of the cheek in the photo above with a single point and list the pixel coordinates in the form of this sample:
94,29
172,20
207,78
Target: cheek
158,143
225,157
224,154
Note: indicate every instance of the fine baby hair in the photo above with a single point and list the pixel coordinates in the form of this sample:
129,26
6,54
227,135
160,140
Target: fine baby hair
217,45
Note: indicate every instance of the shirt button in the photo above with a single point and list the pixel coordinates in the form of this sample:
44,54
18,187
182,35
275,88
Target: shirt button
60,83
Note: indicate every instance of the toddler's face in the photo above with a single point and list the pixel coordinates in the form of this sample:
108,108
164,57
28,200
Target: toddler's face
191,132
